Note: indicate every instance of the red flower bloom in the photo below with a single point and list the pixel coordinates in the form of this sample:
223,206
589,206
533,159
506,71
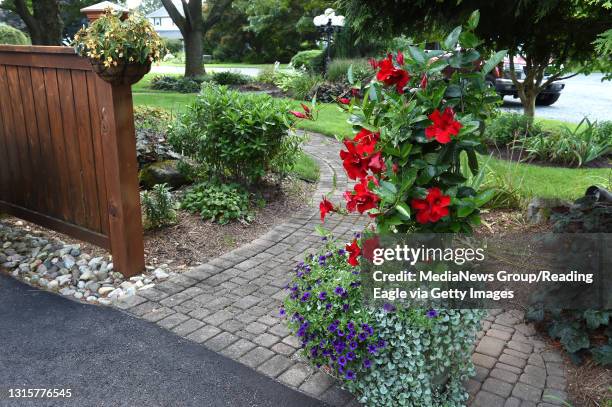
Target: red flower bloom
395,168
344,101
373,63
390,75
307,114
362,199
299,115
366,141
354,251
433,207
444,126
355,164
355,92
400,58
325,207
424,82
376,163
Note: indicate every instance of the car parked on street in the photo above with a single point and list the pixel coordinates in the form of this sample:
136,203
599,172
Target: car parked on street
501,80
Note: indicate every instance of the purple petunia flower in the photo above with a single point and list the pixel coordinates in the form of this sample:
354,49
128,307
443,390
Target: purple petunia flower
322,295
350,375
340,333
332,327
342,360
328,305
362,336
432,313
339,290
353,345
381,344
350,326
282,312
350,356
389,307
367,363
306,296
372,349
345,307
341,252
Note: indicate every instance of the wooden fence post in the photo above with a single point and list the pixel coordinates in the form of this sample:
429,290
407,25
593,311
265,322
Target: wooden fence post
119,146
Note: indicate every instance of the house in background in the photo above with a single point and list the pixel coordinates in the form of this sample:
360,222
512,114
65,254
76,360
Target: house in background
163,24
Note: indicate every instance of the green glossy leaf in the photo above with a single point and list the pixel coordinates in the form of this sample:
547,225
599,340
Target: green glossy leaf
349,75
417,54
451,40
403,209
493,61
472,22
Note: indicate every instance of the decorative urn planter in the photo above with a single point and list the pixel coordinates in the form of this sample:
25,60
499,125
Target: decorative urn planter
121,74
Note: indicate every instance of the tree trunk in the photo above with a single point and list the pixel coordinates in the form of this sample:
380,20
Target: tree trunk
193,54
529,104
47,13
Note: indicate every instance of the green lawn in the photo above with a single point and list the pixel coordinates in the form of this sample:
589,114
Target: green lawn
226,65
528,180
306,168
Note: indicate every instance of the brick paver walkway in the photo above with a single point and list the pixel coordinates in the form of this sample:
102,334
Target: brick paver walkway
230,305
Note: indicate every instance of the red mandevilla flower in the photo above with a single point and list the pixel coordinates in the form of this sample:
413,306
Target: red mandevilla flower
366,141
354,162
390,75
325,207
444,126
354,251
362,199
433,207
376,163
424,82
400,58
344,101
299,115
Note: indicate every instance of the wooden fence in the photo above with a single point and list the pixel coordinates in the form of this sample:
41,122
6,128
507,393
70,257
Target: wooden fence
68,151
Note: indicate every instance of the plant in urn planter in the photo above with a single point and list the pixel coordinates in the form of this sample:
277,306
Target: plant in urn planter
420,121
120,49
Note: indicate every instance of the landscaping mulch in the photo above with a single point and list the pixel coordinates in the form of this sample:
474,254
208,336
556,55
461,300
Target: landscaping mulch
193,241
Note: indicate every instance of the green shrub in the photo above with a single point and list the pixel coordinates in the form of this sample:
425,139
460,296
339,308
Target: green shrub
507,128
150,118
174,46
230,78
158,207
604,130
311,60
12,36
220,203
570,147
338,69
267,75
176,83
300,86
236,135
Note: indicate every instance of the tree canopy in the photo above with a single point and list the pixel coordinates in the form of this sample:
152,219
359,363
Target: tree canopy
555,37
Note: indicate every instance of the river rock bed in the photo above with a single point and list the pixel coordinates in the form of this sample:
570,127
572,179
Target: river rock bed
53,265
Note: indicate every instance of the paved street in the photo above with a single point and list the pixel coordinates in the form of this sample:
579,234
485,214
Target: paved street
109,358
582,96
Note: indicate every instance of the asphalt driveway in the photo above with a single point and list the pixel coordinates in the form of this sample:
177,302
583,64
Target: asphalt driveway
108,358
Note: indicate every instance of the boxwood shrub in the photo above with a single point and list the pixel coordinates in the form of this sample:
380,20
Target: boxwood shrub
237,136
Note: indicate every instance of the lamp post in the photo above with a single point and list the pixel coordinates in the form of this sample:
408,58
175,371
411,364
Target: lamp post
328,23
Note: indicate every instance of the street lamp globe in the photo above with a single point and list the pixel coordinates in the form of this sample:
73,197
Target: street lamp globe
328,23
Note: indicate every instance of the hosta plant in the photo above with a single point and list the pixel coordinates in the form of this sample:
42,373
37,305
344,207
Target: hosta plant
422,112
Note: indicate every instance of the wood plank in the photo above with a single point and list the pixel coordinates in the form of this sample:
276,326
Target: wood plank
73,160
84,139
55,224
6,175
98,161
57,141
20,139
37,49
45,60
45,139
37,162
